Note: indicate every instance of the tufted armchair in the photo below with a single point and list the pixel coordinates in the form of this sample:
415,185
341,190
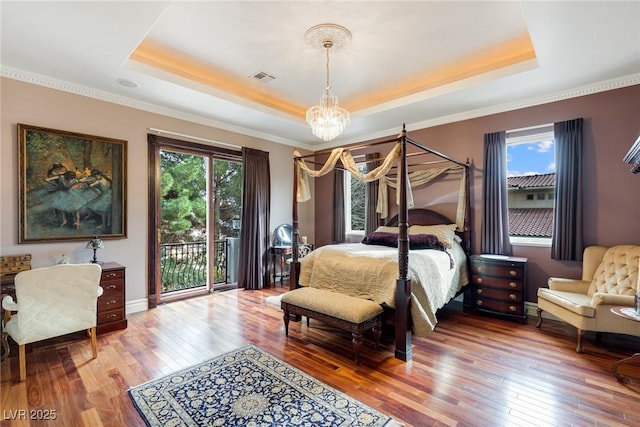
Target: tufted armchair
50,302
609,279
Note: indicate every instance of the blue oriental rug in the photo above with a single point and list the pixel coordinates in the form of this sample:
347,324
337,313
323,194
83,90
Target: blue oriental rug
249,387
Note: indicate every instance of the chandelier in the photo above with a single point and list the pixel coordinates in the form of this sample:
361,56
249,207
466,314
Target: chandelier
328,119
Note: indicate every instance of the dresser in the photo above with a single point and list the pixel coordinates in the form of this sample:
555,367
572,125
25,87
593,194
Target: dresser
499,286
111,304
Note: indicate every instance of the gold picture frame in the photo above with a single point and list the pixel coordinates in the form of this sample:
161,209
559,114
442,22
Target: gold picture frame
72,186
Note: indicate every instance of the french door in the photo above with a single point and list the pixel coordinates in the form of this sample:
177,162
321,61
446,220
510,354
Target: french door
195,206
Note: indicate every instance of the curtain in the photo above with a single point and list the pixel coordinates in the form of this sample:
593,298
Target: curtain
495,213
371,217
566,241
339,227
253,271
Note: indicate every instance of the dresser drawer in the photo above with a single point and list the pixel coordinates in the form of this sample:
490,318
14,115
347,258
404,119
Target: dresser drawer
497,282
498,294
110,302
497,306
112,275
111,287
498,270
110,316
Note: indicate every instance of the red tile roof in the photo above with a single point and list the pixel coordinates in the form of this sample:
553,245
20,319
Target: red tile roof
532,181
531,222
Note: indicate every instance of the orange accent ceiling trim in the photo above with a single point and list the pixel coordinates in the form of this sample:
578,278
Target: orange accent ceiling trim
192,69
514,52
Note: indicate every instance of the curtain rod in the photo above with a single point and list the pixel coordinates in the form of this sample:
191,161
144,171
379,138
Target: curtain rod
197,138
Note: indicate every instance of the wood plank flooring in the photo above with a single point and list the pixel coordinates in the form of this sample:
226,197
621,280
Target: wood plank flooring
471,371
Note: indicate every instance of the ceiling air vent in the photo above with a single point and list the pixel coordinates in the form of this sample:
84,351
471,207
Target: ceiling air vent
263,77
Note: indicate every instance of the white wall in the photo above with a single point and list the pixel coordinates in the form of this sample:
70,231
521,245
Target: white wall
39,106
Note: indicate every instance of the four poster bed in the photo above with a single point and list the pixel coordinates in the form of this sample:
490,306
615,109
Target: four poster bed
412,266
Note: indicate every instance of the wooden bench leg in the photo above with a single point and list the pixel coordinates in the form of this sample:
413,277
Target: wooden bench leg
286,322
377,331
357,343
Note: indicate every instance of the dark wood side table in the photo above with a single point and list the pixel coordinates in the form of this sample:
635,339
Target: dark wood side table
279,253
499,285
111,304
630,314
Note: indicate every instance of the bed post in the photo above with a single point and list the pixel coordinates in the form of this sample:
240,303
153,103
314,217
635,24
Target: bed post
295,264
403,284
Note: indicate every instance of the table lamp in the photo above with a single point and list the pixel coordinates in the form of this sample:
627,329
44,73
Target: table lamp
95,244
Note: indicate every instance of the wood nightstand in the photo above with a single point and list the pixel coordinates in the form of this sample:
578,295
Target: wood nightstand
111,304
499,286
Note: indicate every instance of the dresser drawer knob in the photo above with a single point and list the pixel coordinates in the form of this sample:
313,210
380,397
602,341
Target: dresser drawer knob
512,308
111,287
111,275
512,296
479,269
111,316
513,285
111,302
478,291
479,302
513,273
478,279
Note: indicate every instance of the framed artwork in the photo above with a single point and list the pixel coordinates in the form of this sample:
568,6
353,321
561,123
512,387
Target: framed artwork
72,186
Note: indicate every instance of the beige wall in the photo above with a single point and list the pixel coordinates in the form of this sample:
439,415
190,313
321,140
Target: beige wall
611,203
35,105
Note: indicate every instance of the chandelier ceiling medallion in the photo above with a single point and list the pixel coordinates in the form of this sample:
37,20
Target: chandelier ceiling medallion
328,120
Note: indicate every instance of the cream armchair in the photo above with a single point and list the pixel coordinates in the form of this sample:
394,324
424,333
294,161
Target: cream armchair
50,302
609,279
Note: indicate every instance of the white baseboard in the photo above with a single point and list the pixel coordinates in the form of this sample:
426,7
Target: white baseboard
136,306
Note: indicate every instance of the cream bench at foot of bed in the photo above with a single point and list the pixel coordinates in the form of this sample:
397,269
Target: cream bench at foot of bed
352,314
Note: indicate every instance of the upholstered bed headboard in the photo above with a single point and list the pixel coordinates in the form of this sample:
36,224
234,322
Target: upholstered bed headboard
424,216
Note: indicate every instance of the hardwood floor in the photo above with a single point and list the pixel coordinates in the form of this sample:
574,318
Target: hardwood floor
471,371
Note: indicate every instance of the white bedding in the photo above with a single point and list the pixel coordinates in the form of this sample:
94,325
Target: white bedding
371,272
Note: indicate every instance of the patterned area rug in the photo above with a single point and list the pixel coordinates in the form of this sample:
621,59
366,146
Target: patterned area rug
249,387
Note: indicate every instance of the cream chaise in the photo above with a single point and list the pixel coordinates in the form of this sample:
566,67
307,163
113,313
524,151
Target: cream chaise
609,279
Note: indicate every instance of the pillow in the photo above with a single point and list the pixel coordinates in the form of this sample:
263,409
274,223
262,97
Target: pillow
444,232
381,238
386,229
425,241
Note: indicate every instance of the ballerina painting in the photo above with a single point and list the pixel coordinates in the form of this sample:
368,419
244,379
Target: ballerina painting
72,186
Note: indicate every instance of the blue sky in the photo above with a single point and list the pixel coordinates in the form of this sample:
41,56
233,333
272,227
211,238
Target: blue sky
530,158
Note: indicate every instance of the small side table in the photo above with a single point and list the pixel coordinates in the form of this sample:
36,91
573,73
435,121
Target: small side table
628,313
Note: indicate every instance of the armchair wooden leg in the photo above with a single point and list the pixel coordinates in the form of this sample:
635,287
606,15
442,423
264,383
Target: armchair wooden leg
539,311
22,359
5,345
580,335
94,342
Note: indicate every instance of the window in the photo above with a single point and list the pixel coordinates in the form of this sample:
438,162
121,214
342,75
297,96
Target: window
354,194
530,184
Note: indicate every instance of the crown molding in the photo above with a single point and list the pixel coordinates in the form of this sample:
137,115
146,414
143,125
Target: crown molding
603,86
76,89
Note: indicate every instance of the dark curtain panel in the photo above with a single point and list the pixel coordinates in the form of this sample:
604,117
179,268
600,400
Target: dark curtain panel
566,241
495,212
339,229
256,206
371,217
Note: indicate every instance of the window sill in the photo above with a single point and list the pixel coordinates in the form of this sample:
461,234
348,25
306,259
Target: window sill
530,241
